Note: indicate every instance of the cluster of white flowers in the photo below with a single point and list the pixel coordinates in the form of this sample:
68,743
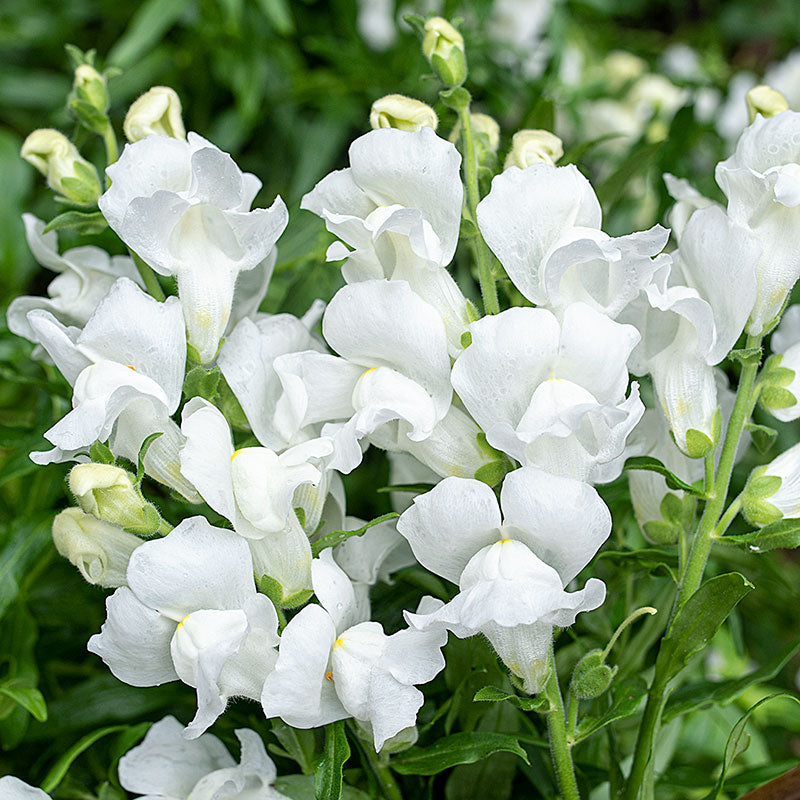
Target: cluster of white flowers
538,397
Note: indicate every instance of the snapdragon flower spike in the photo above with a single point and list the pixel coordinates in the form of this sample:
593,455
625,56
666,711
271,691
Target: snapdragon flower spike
247,362
762,183
393,364
511,570
254,488
398,207
184,207
191,612
333,664
126,367
85,277
552,394
165,766
690,322
543,224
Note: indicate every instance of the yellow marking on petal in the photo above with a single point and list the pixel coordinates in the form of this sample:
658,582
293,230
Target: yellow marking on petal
329,675
502,541
338,643
367,372
130,366
236,453
180,624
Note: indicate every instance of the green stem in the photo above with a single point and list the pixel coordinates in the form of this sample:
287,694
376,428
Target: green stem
483,255
149,277
557,729
572,716
708,483
380,767
112,149
164,528
728,517
692,576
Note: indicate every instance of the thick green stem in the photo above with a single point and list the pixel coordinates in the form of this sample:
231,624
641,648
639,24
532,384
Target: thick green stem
557,729
728,517
483,255
149,277
112,148
692,575
380,767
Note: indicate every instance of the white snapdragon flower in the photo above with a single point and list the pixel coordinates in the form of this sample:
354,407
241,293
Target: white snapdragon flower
165,766
191,612
687,201
247,362
184,207
393,364
691,322
126,367
543,224
85,277
552,394
785,343
256,489
762,183
396,211
12,788
333,664
511,570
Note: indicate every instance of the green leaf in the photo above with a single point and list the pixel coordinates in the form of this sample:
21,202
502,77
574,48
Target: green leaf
148,25
29,698
146,444
627,697
279,15
698,620
649,559
299,744
100,453
61,767
301,787
328,782
491,694
783,534
202,382
80,221
763,436
638,162
706,693
651,464
414,488
542,116
23,544
337,537
458,748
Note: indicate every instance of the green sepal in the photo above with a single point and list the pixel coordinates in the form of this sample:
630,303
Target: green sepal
417,23
202,382
698,444
591,676
466,339
491,474
457,97
472,312
452,71
88,115
659,532
274,591
762,435
774,398
746,355
88,222
467,229
100,453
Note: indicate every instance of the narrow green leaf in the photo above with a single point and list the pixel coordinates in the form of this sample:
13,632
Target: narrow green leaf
337,537
651,464
699,619
627,697
783,534
458,748
279,15
148,25
413,488
491,694
23,542
328,782
29,698
706,693
80,221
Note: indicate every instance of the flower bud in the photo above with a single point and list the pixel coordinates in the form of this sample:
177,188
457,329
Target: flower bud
534,147
99,550
766,101
773,491
67,173
485,128
109,493
443,46
90,87
621,68
592,676
403,113
156,113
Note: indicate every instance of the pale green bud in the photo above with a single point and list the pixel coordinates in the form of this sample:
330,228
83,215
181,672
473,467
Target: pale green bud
110,493
403,113
766,101
157,112
99,550
90,86
67,172
443,46
530,147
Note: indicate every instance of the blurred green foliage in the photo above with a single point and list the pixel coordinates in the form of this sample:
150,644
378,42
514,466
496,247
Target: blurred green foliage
285,86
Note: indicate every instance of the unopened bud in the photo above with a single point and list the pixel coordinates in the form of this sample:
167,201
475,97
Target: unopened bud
592,676
100,551
766,101
485,128
443,46
109,493
67,172
156,113
530,147
90,87
403,113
